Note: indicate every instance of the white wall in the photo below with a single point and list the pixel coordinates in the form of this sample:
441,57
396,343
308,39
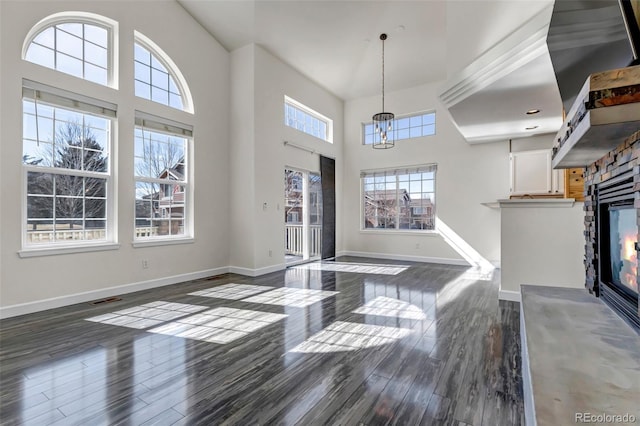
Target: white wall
242,158
467,176
542,246
272,80
206,69
532,143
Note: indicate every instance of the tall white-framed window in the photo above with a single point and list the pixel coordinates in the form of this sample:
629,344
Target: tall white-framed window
406,127
305,119
69,195
399,199
163,205
157,78
75,43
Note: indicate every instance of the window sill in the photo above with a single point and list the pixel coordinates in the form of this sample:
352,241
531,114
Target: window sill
416,232
162,242
53,251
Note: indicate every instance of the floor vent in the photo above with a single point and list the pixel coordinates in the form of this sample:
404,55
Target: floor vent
107,300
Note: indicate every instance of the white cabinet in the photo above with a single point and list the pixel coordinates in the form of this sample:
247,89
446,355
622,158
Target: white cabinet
531,173
557,181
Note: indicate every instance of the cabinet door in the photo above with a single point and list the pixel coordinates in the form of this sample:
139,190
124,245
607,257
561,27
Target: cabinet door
558,181
531,172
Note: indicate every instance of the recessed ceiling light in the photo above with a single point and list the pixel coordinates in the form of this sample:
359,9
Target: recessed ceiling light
531,127
532,111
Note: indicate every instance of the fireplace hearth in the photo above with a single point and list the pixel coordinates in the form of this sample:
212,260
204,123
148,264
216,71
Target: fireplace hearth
612,219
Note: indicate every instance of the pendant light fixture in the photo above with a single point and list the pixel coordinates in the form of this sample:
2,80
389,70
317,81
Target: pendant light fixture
383,126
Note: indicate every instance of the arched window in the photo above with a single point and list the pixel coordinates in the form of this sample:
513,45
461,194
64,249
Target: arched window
79,44
157,78
69,142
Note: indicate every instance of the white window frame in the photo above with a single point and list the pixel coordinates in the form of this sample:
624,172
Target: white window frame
58,98
394,133
423,168
75,17
172,69
313,114
148,122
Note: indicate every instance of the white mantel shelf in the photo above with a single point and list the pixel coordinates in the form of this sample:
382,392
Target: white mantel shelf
533,202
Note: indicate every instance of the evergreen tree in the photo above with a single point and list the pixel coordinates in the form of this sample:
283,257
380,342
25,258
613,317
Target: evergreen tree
76,149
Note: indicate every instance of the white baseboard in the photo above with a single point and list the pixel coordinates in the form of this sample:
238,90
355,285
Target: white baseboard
256,272
512,296
58,302
408,258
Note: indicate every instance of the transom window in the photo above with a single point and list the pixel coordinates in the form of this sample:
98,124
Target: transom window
66,158
399,198
306,120
162,181
75,48
406,127
153,80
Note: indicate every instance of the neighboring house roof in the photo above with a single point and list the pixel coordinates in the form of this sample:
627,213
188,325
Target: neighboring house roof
386,194
421,203
176,172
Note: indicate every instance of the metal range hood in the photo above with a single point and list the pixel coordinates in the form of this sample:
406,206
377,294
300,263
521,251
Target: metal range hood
593,47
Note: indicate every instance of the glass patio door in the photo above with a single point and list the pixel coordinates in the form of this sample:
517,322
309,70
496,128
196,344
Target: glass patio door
302,215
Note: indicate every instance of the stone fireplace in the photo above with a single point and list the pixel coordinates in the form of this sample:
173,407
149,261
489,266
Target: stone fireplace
612,220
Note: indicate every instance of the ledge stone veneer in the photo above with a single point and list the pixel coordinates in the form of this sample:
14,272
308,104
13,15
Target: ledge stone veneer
623,158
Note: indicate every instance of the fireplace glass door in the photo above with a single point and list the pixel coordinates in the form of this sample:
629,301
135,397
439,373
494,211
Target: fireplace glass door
623,233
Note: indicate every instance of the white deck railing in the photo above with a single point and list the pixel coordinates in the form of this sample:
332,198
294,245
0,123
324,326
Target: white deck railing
293,237
36,237
65,235
293,240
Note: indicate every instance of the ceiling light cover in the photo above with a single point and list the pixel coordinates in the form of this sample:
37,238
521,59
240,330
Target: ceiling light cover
383,122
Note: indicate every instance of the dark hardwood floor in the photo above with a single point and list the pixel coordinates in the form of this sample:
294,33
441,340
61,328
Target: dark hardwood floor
429,345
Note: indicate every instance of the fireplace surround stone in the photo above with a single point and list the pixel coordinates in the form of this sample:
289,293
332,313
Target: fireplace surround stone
624,160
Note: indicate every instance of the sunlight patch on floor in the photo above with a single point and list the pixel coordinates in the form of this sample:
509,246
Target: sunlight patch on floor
394,308
343,336
219,325
147,315
232,291
359,268
294,297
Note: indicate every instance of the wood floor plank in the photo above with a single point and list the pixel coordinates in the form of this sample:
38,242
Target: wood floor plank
364,403
458,365
413,406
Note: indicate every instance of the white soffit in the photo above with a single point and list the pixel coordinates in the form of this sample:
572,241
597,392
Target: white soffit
488,99
522,46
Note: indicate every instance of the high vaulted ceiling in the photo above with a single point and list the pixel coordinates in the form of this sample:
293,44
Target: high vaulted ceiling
336,43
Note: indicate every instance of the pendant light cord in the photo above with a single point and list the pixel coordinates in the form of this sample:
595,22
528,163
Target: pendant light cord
383,37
